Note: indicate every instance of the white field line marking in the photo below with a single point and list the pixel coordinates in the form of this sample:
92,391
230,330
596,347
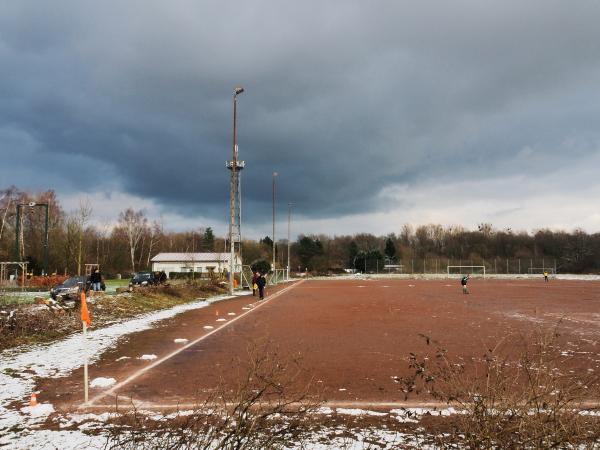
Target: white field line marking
176,352
332,404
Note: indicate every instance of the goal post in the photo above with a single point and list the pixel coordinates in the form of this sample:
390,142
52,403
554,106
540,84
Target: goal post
470,270
541,270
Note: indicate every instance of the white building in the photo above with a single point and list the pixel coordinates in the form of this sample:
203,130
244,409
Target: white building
202,263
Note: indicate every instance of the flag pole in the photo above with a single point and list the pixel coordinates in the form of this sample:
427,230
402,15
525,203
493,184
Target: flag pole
85,363
86,322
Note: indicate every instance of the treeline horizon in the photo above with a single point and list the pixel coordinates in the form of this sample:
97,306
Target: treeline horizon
129,246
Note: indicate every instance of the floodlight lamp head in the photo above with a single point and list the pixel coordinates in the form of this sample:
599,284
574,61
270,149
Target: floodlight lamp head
238,90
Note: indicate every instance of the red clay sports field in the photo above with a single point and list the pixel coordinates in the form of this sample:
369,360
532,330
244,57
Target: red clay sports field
353,337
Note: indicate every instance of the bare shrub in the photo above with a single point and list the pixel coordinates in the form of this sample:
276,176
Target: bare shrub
527,401
263,410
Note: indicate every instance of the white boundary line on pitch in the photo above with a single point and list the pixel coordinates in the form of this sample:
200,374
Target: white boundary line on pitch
179,350
584,405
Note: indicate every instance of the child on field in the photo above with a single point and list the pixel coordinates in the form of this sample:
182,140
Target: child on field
464,280
546,276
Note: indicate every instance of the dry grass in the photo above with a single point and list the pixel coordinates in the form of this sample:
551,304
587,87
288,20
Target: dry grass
509,402
38,323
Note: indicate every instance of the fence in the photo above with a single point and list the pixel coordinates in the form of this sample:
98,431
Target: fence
492,266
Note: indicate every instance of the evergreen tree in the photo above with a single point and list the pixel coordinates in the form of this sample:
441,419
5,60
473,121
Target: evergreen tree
390,249
208,240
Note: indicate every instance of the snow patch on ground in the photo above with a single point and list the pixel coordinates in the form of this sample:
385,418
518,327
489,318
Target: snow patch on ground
148,357
122,358
41,410
208,327
221,320
417,413
180,340
359,412
51,440
102,382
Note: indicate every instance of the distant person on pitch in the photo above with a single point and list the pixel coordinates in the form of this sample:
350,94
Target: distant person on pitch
463,281
255,276
261,282
546,276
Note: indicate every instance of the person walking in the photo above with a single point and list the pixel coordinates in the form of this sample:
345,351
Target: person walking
96,280
255,276
463,281
546,276
261,282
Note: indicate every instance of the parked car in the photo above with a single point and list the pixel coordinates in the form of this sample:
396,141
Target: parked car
142,279
69,288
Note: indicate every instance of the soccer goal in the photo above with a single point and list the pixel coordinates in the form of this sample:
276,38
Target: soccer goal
470,270
541,270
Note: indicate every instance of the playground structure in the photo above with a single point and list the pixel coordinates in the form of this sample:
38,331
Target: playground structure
6,267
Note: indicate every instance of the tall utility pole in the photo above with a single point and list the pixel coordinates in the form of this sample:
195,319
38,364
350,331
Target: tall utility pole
234,165
274,247
289,242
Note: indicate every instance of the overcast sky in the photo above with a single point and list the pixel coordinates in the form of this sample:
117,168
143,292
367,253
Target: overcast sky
374,114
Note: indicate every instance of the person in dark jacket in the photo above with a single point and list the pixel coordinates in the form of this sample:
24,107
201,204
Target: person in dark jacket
261,282
96,280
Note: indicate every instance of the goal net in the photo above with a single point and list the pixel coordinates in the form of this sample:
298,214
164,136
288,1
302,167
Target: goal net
541,270
466,270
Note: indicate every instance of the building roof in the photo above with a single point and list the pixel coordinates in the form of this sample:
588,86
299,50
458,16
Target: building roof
191,257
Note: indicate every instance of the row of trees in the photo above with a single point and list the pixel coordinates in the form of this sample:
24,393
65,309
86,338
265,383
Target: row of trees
574,252
130,243
123,247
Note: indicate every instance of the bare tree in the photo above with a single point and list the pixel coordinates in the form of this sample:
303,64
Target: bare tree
81,218
6,202
134,224
156,232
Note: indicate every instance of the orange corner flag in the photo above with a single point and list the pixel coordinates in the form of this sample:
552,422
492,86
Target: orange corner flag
85,315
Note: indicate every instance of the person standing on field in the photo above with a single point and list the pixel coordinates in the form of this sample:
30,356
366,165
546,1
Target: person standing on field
546,276
463,281
261,282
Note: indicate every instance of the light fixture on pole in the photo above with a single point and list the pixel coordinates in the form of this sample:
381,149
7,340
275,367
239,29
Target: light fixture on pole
274,247
234,165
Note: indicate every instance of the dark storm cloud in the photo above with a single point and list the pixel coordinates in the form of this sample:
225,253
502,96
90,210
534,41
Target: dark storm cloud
342,98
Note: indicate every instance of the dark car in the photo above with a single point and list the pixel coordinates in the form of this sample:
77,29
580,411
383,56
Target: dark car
69,288
142,279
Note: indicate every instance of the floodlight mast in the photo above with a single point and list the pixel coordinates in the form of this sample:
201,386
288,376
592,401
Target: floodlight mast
274,245
234,167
